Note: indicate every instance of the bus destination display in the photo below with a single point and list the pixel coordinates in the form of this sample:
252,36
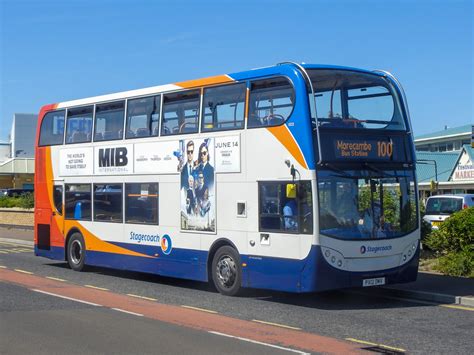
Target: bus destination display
364,149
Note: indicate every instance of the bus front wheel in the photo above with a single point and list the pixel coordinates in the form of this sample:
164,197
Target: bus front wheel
227,271
76,252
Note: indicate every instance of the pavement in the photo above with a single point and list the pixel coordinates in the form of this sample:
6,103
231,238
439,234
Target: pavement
429,287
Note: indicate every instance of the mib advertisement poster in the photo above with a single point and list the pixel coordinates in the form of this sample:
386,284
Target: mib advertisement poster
198,198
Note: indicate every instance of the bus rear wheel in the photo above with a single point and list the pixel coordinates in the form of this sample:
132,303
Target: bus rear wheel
76,252
227,271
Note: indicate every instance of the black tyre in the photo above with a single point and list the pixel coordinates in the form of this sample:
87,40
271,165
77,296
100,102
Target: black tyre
76,252
227,271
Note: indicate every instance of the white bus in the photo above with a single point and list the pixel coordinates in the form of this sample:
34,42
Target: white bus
293,177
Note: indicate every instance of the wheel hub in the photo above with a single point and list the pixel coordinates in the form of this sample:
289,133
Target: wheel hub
226,271
76,252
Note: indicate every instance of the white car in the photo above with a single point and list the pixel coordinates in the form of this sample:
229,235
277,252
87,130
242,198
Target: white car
440,207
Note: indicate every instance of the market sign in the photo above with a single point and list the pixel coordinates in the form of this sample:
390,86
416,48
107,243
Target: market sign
464,172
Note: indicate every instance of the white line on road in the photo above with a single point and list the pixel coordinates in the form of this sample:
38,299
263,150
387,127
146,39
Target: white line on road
24,271
17,241
142,297
128,312
55,278
97,288
198,309
66,298
275,324
260,343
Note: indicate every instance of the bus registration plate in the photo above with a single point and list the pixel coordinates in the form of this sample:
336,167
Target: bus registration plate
373,282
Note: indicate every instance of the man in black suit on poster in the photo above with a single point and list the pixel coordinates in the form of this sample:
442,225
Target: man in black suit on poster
188,168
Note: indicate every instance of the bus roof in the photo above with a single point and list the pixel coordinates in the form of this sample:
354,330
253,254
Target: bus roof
279,69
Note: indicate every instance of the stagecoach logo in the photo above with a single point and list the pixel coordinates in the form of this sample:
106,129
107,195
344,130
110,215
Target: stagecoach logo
166,244
369,249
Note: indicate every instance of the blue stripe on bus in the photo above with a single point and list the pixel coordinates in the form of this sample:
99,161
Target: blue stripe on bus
298,123
55,253
308,275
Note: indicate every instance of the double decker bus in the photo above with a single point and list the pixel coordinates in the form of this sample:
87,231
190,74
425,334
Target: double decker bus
294,177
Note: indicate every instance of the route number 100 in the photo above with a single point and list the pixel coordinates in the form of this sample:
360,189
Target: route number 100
384,149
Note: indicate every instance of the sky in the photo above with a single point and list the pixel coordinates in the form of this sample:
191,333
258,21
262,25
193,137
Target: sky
54,51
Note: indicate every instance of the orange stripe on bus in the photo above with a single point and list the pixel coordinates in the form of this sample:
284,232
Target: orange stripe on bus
93,243
284,136
139,195
212,80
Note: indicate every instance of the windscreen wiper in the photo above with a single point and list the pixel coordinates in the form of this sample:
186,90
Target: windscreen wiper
380,171
337,170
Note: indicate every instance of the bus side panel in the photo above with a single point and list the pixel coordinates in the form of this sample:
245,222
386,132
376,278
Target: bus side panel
273,273
184,263
157,266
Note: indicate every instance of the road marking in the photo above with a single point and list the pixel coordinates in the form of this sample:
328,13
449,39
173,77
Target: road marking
24,271
260,343
375,344
128,312
6,251
14,244
414,300
457,307
24,250
21,250
198,309
55,278
276,324
97,288
142,297
10,241
66,298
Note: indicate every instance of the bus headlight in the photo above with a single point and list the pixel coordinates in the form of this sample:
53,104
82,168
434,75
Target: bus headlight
333,257
408,253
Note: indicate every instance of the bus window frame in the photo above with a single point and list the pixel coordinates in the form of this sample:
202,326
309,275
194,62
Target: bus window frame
62,211
91,202
284,231
249,88
124,100
67,120
157,203
244,83
64,129
159,113
200,96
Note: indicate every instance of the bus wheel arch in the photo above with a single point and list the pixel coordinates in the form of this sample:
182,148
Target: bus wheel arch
224,267
75,250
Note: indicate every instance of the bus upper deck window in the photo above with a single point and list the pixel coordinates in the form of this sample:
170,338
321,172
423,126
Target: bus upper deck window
109,121
180,113
52,129
79,125
271,102
143,116
223,107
